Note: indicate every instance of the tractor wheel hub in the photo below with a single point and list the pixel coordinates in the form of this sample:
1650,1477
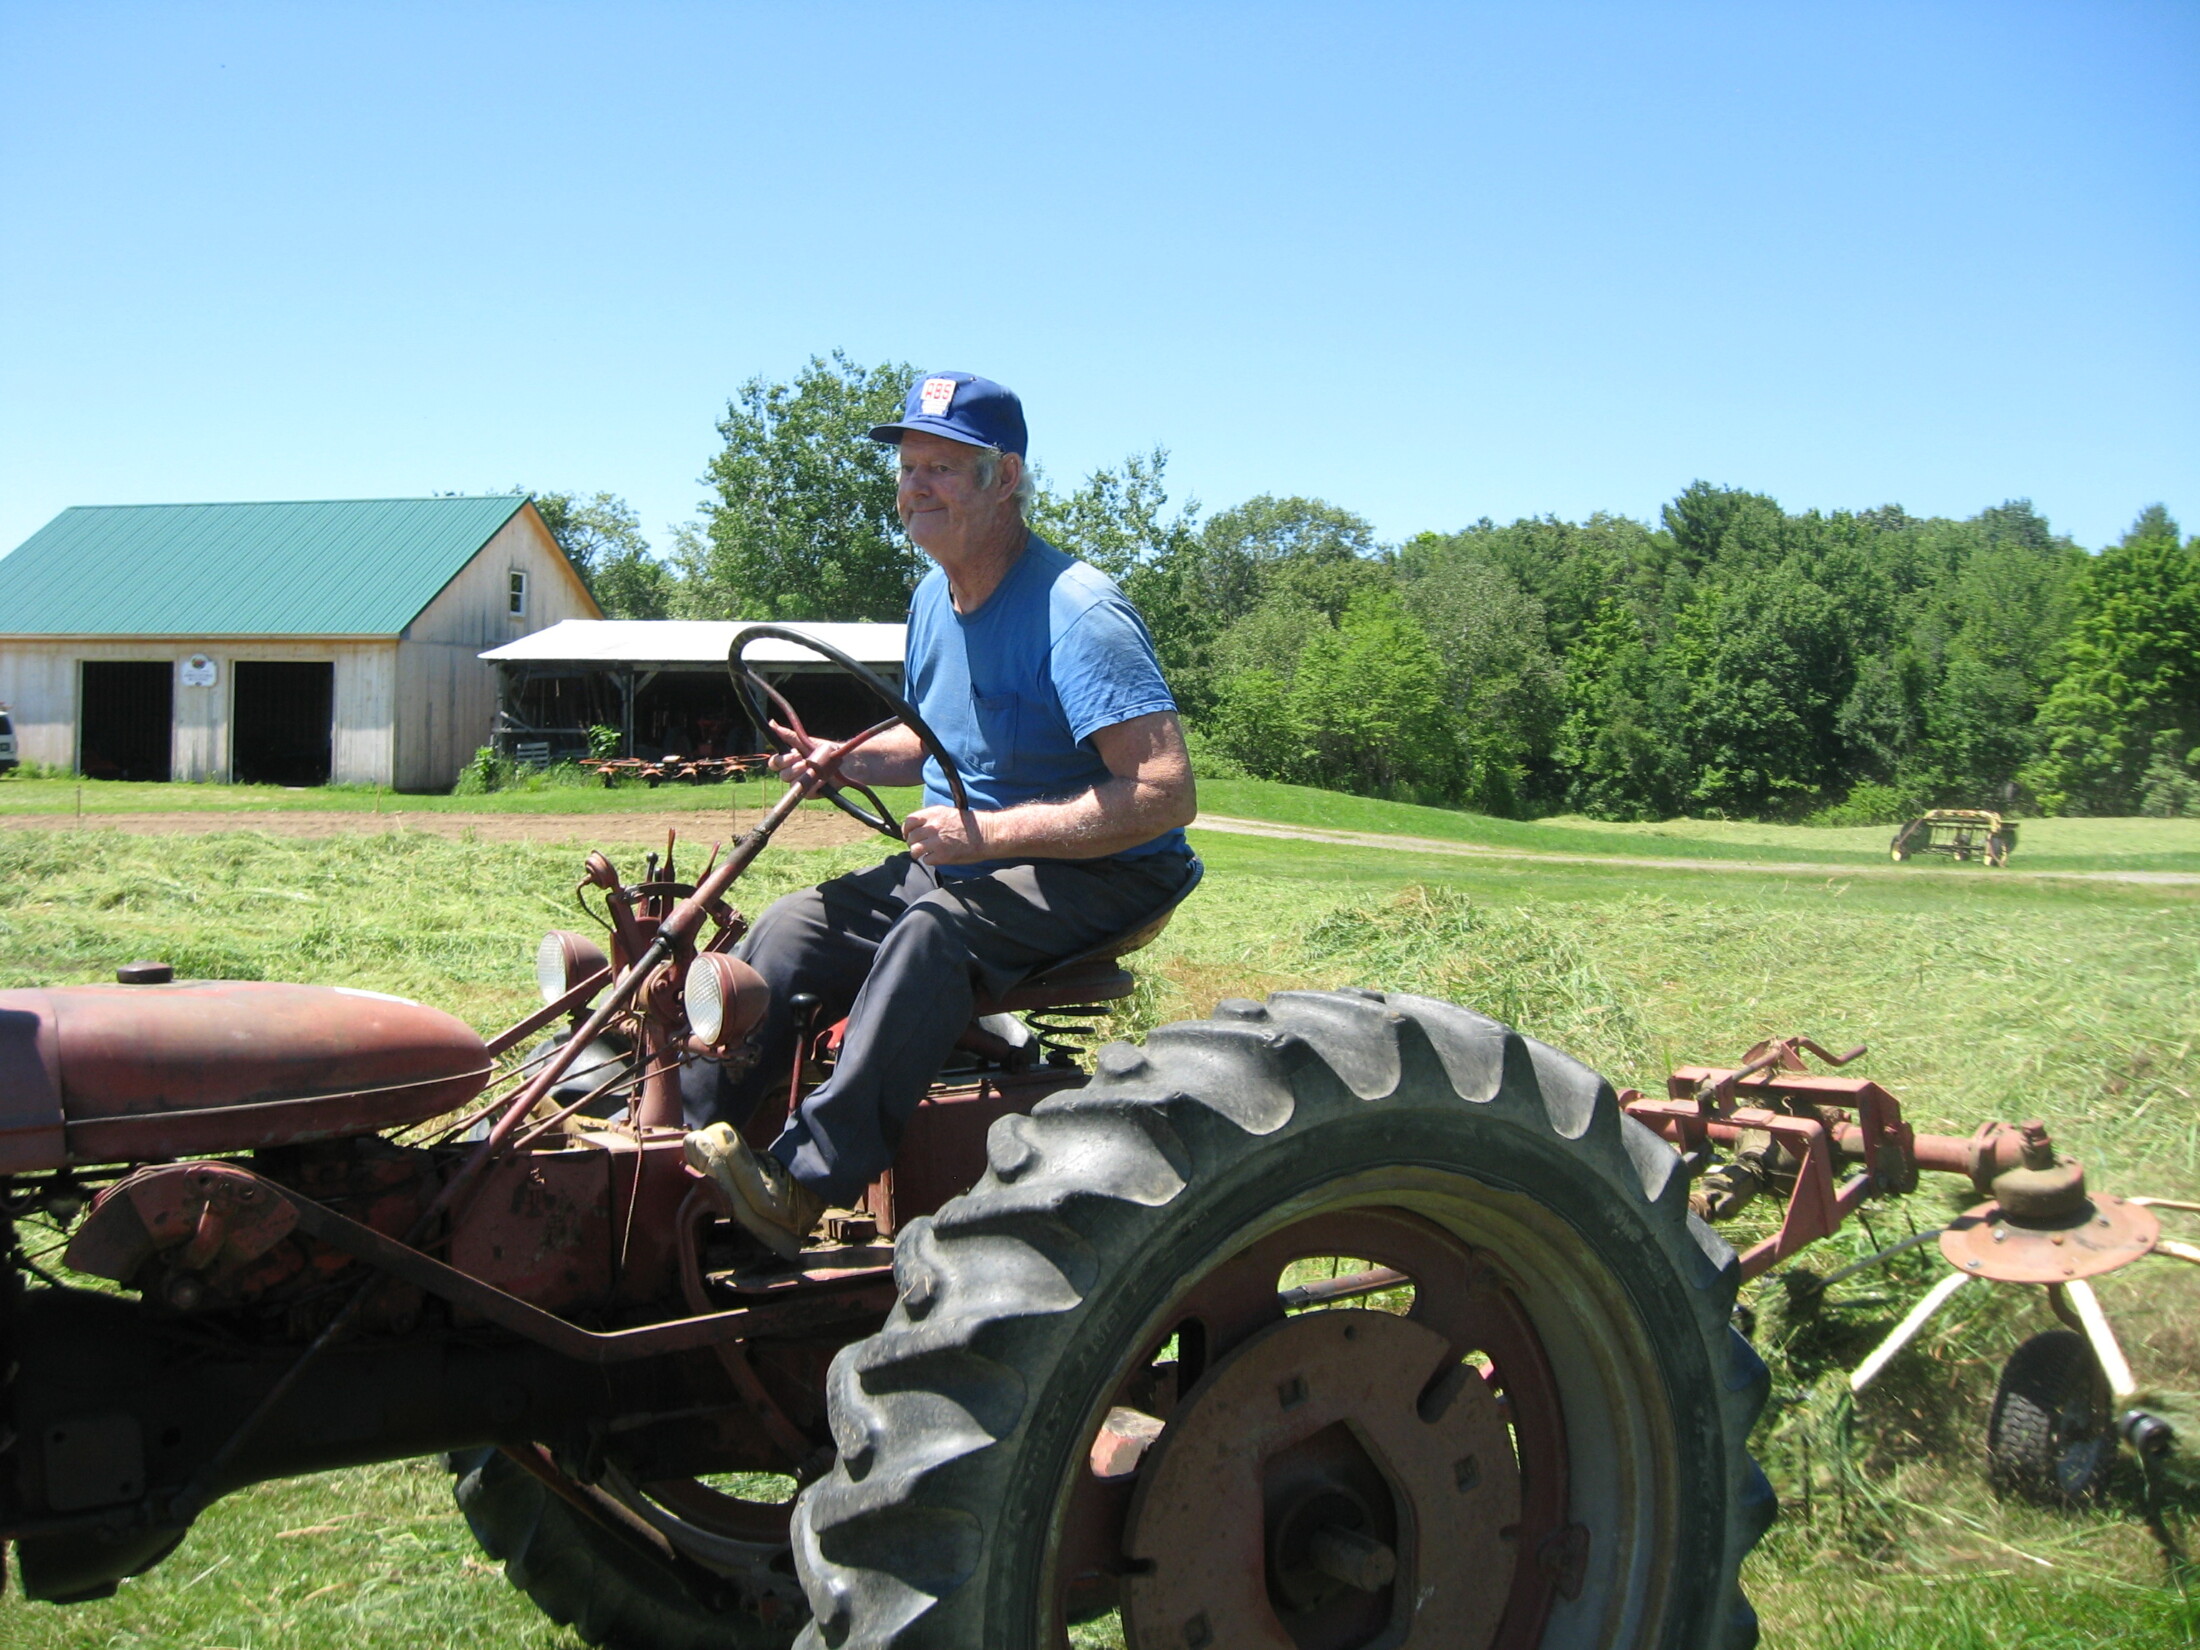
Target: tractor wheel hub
1327,1486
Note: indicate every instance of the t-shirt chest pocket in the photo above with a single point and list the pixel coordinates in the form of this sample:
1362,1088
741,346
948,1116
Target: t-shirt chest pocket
999,719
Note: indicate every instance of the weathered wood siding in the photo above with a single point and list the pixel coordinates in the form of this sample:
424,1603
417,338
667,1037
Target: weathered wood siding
446,694
471,611
39,681
446,702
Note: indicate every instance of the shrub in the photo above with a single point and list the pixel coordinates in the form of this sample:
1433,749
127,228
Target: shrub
2170,787
1869,804
558,776
1210,760
485,772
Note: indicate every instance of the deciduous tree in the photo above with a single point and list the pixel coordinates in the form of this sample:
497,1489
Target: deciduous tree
1118,519
800,522
2124,715
1503,687
602,537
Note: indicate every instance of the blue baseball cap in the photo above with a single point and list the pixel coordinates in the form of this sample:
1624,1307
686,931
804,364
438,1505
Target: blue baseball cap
962,407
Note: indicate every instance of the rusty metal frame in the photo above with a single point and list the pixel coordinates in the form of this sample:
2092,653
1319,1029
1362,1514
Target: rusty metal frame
1815,1208
1820,1122
843,1301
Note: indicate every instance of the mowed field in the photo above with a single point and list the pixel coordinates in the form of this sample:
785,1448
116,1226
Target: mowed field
1981,994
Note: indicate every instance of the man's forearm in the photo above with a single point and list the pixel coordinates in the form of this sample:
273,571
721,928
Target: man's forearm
1116,814
895,757
1149,790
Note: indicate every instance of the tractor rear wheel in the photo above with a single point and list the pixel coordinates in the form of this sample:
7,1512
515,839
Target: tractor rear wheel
2052,1437
1109,1383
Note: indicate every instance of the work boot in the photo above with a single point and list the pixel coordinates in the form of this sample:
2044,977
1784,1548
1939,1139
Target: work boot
777,1209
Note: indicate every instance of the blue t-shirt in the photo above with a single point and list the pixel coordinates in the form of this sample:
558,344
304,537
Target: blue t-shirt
1016,690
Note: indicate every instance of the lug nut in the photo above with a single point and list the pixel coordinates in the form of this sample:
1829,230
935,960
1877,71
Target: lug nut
184,1292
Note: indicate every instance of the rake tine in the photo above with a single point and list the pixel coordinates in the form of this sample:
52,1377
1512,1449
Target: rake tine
1906,1331
2113,1363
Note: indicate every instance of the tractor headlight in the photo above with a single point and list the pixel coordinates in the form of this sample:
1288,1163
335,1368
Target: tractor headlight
724,998
563,960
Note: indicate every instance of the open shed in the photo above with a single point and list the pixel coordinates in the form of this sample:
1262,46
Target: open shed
290,643
663,685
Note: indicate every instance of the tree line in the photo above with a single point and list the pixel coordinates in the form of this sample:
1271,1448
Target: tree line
1733,659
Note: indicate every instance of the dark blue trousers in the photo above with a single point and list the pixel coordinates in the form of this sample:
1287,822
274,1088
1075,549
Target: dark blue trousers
904,955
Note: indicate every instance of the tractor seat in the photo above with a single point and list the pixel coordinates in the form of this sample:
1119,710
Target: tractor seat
1092,975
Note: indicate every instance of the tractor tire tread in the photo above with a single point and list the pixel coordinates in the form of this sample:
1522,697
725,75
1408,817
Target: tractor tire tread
889,1546
578,1574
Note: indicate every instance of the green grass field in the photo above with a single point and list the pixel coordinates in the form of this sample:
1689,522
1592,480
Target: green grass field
2044,844
1981,995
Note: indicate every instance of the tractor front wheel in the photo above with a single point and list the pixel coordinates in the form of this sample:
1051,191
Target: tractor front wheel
675,1566
1127,1371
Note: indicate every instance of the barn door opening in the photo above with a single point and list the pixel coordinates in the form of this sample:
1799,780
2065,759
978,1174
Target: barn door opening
125,718
279,722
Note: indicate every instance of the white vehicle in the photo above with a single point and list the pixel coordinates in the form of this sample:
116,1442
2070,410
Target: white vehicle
7,741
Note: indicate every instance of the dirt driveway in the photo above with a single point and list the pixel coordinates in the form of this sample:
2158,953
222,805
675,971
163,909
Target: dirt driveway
1433,845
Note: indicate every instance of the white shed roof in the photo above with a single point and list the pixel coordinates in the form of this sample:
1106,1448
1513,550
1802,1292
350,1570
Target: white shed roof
664,642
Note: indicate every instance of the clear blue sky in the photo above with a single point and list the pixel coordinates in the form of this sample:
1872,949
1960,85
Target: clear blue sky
1430,262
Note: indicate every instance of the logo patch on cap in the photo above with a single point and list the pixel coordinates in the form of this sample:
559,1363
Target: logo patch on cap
939,395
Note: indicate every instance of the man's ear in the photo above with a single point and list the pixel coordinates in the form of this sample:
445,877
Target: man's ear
1010,474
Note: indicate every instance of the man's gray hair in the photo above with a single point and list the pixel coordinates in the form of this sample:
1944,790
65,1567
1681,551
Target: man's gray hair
989,465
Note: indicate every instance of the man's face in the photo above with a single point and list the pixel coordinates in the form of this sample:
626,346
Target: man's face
941,505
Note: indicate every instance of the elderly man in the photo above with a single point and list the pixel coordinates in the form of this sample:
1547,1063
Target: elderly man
1040,679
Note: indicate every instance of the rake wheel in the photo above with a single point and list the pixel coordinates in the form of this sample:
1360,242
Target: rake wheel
2052,1437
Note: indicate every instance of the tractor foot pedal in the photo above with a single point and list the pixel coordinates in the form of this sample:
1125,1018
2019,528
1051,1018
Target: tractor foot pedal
848,1226
764,1274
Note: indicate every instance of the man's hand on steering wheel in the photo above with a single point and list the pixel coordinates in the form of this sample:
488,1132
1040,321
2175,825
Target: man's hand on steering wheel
809,762
944,836
818,765
936,836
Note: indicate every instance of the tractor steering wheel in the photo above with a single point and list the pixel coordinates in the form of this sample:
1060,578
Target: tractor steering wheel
761,700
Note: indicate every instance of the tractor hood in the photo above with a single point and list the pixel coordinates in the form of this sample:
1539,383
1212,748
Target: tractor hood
111,1073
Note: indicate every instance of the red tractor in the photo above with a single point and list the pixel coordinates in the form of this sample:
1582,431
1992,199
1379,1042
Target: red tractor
1096,1343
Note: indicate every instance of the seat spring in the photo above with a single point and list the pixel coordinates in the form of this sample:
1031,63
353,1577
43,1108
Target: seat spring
1069,1031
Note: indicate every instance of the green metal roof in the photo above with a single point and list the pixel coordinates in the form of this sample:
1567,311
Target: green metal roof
336,567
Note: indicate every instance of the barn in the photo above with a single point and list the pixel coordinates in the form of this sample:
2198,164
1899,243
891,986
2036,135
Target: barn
281,643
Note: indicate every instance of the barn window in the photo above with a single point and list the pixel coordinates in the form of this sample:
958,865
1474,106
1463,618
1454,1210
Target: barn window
517,604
